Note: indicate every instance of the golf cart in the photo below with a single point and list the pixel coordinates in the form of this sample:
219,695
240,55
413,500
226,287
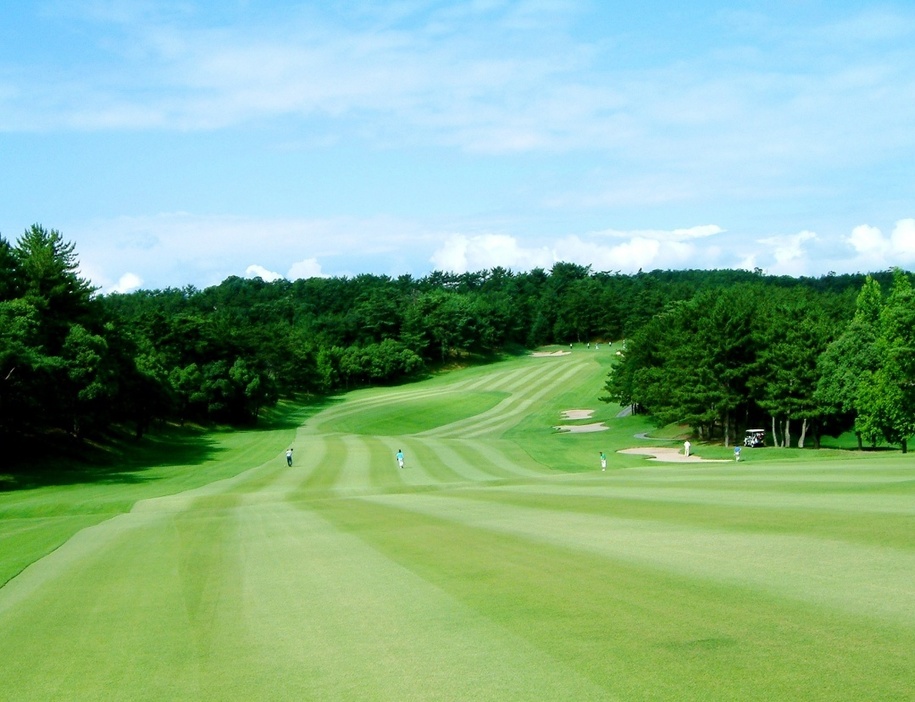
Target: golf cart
755,438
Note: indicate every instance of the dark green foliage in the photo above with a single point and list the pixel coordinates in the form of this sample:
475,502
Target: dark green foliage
885,399
851,357
713,349
692,363
776,355
54,362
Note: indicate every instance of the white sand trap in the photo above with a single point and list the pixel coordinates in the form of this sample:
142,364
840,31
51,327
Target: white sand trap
670,455
577,414
540,354
582,428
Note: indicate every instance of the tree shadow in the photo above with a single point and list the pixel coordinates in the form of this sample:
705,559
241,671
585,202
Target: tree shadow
115,458
118,457
291,413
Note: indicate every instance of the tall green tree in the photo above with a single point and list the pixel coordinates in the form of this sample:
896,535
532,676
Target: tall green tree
46,301
48,268
792,331
850,358
10,275
91,380
690,364
886,397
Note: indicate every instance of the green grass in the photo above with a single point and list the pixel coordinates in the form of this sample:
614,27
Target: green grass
500,564
409,414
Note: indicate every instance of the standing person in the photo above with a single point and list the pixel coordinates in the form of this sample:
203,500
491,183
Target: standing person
686,447
289,457
400,458
737,453
603,461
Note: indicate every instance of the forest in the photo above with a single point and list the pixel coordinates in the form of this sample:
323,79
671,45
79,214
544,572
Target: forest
779,357
718,350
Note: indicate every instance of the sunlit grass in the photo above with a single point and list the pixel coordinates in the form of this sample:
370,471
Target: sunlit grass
499,564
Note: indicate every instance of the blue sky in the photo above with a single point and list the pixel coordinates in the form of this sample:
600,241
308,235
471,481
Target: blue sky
183,142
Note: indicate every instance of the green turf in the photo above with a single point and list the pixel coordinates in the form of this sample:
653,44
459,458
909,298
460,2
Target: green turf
499,564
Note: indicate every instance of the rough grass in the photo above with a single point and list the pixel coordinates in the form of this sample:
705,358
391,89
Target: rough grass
500,564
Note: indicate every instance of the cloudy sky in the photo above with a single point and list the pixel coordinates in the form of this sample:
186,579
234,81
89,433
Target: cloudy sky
182,142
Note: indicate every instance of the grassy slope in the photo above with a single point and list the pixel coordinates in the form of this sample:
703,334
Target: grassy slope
500,564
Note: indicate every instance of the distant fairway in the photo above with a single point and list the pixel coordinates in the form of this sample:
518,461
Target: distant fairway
499,564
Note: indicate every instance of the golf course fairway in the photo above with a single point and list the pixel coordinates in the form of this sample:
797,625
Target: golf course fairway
499,564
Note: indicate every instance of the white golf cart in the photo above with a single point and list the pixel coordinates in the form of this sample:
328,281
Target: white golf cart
755,438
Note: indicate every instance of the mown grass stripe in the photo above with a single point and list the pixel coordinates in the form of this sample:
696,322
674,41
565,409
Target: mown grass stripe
383,471
636,632
522,406
863,502
347,622
505,413
360,401
501,379
472,455
522,383
421,468
890,530
509,457
854,579
326,456
447,454
499,566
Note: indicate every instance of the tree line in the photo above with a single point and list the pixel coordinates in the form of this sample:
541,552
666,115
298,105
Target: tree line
786,359
76,363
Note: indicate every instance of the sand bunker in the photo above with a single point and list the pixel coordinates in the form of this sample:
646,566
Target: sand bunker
670,455
550,353
577,414
582,428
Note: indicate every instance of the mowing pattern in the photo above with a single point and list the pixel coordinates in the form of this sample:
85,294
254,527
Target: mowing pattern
479,573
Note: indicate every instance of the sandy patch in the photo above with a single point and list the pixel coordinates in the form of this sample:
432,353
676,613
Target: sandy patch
582,428
577,414
670,455
540,354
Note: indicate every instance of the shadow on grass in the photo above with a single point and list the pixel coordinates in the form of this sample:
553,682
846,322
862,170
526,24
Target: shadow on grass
291,413
119,458
475,359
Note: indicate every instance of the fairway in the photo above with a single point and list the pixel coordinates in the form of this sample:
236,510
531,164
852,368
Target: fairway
499,564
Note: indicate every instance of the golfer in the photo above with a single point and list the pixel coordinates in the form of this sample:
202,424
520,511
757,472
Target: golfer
603,461
737,453
686,447
400,457
289,457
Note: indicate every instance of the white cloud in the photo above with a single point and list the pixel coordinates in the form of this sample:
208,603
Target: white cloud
309,268
179,249
903,240
876,251
789,253
176,249
642,250
748,263
256,271
461,253
674,235
126,283
867,241
638,252
443,74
